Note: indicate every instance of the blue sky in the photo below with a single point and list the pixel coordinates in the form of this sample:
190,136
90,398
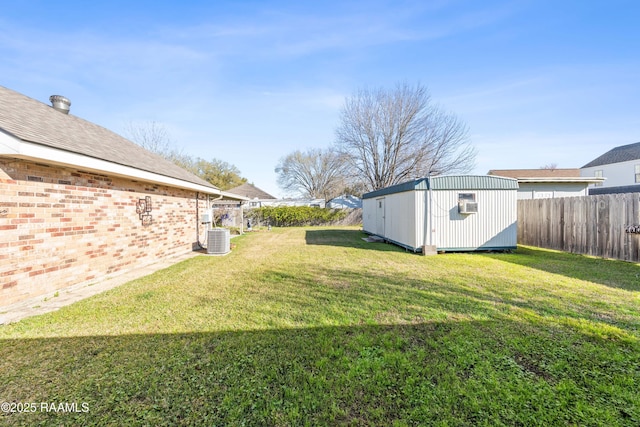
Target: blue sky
247,82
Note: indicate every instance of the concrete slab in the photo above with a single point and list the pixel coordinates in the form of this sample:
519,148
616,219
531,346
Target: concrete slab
429,250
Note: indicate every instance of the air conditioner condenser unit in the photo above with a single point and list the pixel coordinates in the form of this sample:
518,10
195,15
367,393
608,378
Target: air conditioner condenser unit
218,241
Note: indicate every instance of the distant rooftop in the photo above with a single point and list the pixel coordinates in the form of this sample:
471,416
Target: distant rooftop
536,173
623,153
251,192
546,176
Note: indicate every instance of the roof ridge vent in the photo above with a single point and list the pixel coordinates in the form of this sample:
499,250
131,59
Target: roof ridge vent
60,103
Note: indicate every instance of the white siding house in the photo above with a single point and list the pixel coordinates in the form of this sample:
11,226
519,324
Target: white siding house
445,213
620,167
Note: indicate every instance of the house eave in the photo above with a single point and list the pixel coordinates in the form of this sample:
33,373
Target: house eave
13,147
230,196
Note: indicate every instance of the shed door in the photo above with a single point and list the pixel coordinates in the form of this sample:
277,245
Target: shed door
380,217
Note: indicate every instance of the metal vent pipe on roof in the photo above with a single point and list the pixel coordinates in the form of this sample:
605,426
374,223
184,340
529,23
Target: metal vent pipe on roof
60,103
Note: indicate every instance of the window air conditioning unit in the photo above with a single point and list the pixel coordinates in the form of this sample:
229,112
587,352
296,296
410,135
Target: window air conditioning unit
465,207
218,241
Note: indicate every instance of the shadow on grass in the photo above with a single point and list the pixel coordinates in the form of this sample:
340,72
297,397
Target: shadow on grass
346,238
611,273
456,373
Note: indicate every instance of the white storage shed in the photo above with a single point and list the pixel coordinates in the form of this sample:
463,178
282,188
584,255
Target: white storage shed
445,213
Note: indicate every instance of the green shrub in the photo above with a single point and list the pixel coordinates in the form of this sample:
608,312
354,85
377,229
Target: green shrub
293,216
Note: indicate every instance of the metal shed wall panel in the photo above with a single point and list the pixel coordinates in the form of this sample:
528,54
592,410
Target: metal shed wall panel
493,227
421,222
401,219
369,216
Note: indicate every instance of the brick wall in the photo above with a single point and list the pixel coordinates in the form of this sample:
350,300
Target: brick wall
60,226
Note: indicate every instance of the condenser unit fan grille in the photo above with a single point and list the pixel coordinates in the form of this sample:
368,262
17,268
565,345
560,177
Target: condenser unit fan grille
218,241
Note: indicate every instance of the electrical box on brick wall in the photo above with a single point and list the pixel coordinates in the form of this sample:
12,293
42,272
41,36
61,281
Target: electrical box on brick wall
206,217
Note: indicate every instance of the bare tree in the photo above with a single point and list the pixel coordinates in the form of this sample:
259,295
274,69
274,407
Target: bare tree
155,137
314,173
550,166
391,136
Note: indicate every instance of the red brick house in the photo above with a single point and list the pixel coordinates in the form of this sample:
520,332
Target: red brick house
79,202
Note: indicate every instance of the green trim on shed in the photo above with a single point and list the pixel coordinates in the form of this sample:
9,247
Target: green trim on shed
449,182
418,184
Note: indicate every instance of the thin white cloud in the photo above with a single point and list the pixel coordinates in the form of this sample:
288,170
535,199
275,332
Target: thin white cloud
280,33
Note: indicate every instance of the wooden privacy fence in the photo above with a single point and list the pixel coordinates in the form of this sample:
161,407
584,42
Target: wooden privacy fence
604,225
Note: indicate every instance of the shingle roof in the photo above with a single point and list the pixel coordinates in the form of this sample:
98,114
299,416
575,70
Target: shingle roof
250,191
623,153
36,122
536,173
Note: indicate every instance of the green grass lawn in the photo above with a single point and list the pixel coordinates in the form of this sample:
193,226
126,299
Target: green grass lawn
313,326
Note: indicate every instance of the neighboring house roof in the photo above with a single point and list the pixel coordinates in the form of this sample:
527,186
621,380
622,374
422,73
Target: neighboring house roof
343,197
250,191
545,175
33,122
623,153
346,201
536,173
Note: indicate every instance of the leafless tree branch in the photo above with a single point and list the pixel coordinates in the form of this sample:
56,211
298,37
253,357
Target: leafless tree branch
391,136
314,173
